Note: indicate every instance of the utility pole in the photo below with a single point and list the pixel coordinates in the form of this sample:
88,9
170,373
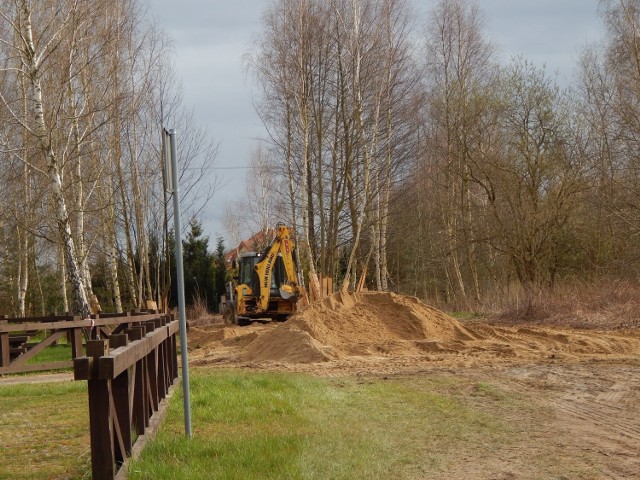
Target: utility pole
171,171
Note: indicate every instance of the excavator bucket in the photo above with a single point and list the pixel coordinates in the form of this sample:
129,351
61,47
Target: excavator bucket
286,292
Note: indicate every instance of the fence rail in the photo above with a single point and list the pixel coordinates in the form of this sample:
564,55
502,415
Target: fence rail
128,377
16,334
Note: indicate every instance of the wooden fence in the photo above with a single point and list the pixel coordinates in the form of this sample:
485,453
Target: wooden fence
128,376
17,344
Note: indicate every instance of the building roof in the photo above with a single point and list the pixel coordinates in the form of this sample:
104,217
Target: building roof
256,243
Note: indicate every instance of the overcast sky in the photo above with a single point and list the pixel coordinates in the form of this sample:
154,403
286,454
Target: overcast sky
210,37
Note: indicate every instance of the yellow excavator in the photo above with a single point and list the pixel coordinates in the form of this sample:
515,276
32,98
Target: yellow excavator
268,284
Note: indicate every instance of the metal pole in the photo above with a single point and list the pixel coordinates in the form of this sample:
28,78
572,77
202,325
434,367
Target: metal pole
181,307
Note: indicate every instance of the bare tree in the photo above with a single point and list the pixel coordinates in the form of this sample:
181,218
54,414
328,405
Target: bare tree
61,25
459,70
535,179
86,88
337,87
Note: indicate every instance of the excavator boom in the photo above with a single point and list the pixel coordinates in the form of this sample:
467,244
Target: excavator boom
282,245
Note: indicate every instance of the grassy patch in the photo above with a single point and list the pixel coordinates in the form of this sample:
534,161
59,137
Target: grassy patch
53,353
44,431
261,426
287,426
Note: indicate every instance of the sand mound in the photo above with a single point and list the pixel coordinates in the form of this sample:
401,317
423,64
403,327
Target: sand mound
377,326
358,324
287,344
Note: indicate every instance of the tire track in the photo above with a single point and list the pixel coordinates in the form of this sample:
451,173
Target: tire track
603,415
604,421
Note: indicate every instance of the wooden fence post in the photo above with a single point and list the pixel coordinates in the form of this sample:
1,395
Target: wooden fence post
140,414
76,342
121,388
152,369
126,385
100,415
5,348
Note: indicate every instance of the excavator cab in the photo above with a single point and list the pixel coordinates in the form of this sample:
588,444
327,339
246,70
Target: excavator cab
248,276
246,269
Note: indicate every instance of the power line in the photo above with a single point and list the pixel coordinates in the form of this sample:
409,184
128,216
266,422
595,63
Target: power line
217,168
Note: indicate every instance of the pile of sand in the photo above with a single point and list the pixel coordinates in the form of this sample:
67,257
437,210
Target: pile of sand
388,325
349,324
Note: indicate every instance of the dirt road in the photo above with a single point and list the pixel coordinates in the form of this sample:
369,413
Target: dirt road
595,406
36,378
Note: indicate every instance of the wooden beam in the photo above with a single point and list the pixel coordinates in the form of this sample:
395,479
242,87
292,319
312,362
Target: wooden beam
20,327
118,340
36,367
38,348
82,367
122,358
63,324
139,414
122,415
50,318
5,350
76,343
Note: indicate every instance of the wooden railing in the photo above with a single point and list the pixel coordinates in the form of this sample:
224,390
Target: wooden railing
16,334
128,376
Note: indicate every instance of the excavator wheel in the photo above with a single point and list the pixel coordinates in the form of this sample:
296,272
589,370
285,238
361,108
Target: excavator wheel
230,317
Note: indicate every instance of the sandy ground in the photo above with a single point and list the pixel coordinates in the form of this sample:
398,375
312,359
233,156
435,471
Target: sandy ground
588,380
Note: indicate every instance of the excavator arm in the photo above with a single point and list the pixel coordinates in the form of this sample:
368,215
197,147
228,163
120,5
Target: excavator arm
282,244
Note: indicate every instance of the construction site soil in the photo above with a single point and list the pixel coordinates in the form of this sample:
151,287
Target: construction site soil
588,378
372,328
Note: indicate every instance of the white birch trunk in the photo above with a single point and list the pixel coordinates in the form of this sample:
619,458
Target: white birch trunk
7,257
63,279
83,254
384,222
23,270
109,234
367,144
79,226
22,233
302,99
23,245
112,260
81,305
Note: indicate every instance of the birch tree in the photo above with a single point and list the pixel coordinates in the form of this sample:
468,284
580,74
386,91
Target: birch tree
85,90
459,69
337,84
34,53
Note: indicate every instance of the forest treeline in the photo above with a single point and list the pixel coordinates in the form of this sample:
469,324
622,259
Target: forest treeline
408,153
400,149
85,90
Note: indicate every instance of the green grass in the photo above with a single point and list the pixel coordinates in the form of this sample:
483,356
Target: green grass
288,426
53,353
44,431
270,425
